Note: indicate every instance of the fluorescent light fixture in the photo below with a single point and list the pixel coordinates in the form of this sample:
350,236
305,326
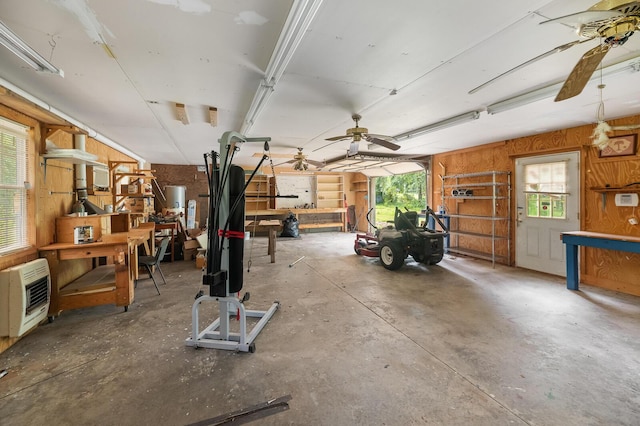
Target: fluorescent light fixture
22,50
630,65
295,27
433,127
524,99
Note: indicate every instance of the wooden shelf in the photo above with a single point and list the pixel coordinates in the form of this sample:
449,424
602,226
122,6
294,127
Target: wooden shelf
329,191
604,190
120,198
258,188
630,188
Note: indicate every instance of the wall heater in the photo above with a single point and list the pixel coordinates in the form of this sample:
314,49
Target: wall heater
24,297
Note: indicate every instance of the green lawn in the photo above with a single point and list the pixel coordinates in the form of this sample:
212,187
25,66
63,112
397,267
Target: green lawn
385,213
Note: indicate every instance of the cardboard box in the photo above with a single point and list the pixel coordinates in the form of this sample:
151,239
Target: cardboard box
189,254
201,261
191,244
194,232
139,205
129,188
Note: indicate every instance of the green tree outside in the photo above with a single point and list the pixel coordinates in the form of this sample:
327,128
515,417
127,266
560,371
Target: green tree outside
407,190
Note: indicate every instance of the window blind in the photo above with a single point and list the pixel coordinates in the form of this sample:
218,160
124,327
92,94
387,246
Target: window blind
13,192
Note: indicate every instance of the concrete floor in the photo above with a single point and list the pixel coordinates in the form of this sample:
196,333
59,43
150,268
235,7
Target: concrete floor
353,343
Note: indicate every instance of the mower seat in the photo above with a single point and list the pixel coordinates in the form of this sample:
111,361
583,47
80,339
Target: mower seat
401,223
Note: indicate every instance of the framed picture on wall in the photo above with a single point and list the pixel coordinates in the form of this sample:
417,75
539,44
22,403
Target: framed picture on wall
619,146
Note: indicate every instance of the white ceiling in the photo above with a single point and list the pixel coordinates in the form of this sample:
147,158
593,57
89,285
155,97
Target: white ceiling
353,55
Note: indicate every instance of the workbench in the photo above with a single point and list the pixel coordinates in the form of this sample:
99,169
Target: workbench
112,283
307,218
574,239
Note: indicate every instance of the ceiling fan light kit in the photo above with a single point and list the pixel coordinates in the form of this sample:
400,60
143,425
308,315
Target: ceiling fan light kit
356,134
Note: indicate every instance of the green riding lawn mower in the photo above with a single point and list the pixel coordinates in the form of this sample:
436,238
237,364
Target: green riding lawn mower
395,243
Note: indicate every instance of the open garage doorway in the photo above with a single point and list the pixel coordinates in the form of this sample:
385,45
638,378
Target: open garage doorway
405,191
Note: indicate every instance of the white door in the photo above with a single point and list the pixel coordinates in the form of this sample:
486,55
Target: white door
547,203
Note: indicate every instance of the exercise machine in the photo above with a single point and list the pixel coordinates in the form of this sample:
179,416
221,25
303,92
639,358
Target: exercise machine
225,252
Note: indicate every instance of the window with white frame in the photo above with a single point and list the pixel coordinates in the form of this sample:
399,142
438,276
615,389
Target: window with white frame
13,191
546,190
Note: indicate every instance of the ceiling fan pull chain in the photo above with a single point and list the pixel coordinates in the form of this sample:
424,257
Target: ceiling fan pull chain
273,172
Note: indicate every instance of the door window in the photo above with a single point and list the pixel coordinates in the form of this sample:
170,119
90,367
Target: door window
546,190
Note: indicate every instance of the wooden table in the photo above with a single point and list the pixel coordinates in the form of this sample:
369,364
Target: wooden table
574,239
273,226
143,235
107,284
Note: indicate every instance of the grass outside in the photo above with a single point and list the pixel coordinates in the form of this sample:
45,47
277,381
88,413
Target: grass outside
385,213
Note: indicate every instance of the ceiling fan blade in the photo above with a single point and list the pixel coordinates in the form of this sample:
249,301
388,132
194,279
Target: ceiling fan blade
339,138
584,17
383,137
382,142
557,49
317,164
273,155
582,72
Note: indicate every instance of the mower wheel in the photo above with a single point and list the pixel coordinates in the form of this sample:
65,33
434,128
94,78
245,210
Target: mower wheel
357,248
391,255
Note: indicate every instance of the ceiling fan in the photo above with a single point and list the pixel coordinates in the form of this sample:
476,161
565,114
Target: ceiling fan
613,21
299,160
356,134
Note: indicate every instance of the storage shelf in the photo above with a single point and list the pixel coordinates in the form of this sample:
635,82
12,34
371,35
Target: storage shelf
478,235
473,216
498,188
476,254
469,185
474,197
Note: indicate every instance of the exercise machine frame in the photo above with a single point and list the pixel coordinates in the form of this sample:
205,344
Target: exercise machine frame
225,279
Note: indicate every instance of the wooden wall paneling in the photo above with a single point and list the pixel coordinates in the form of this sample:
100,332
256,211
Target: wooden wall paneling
51,197
603,268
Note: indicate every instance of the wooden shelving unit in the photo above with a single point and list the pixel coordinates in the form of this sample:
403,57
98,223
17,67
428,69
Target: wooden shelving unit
329,211
139,201
329,191
257,193
359,186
